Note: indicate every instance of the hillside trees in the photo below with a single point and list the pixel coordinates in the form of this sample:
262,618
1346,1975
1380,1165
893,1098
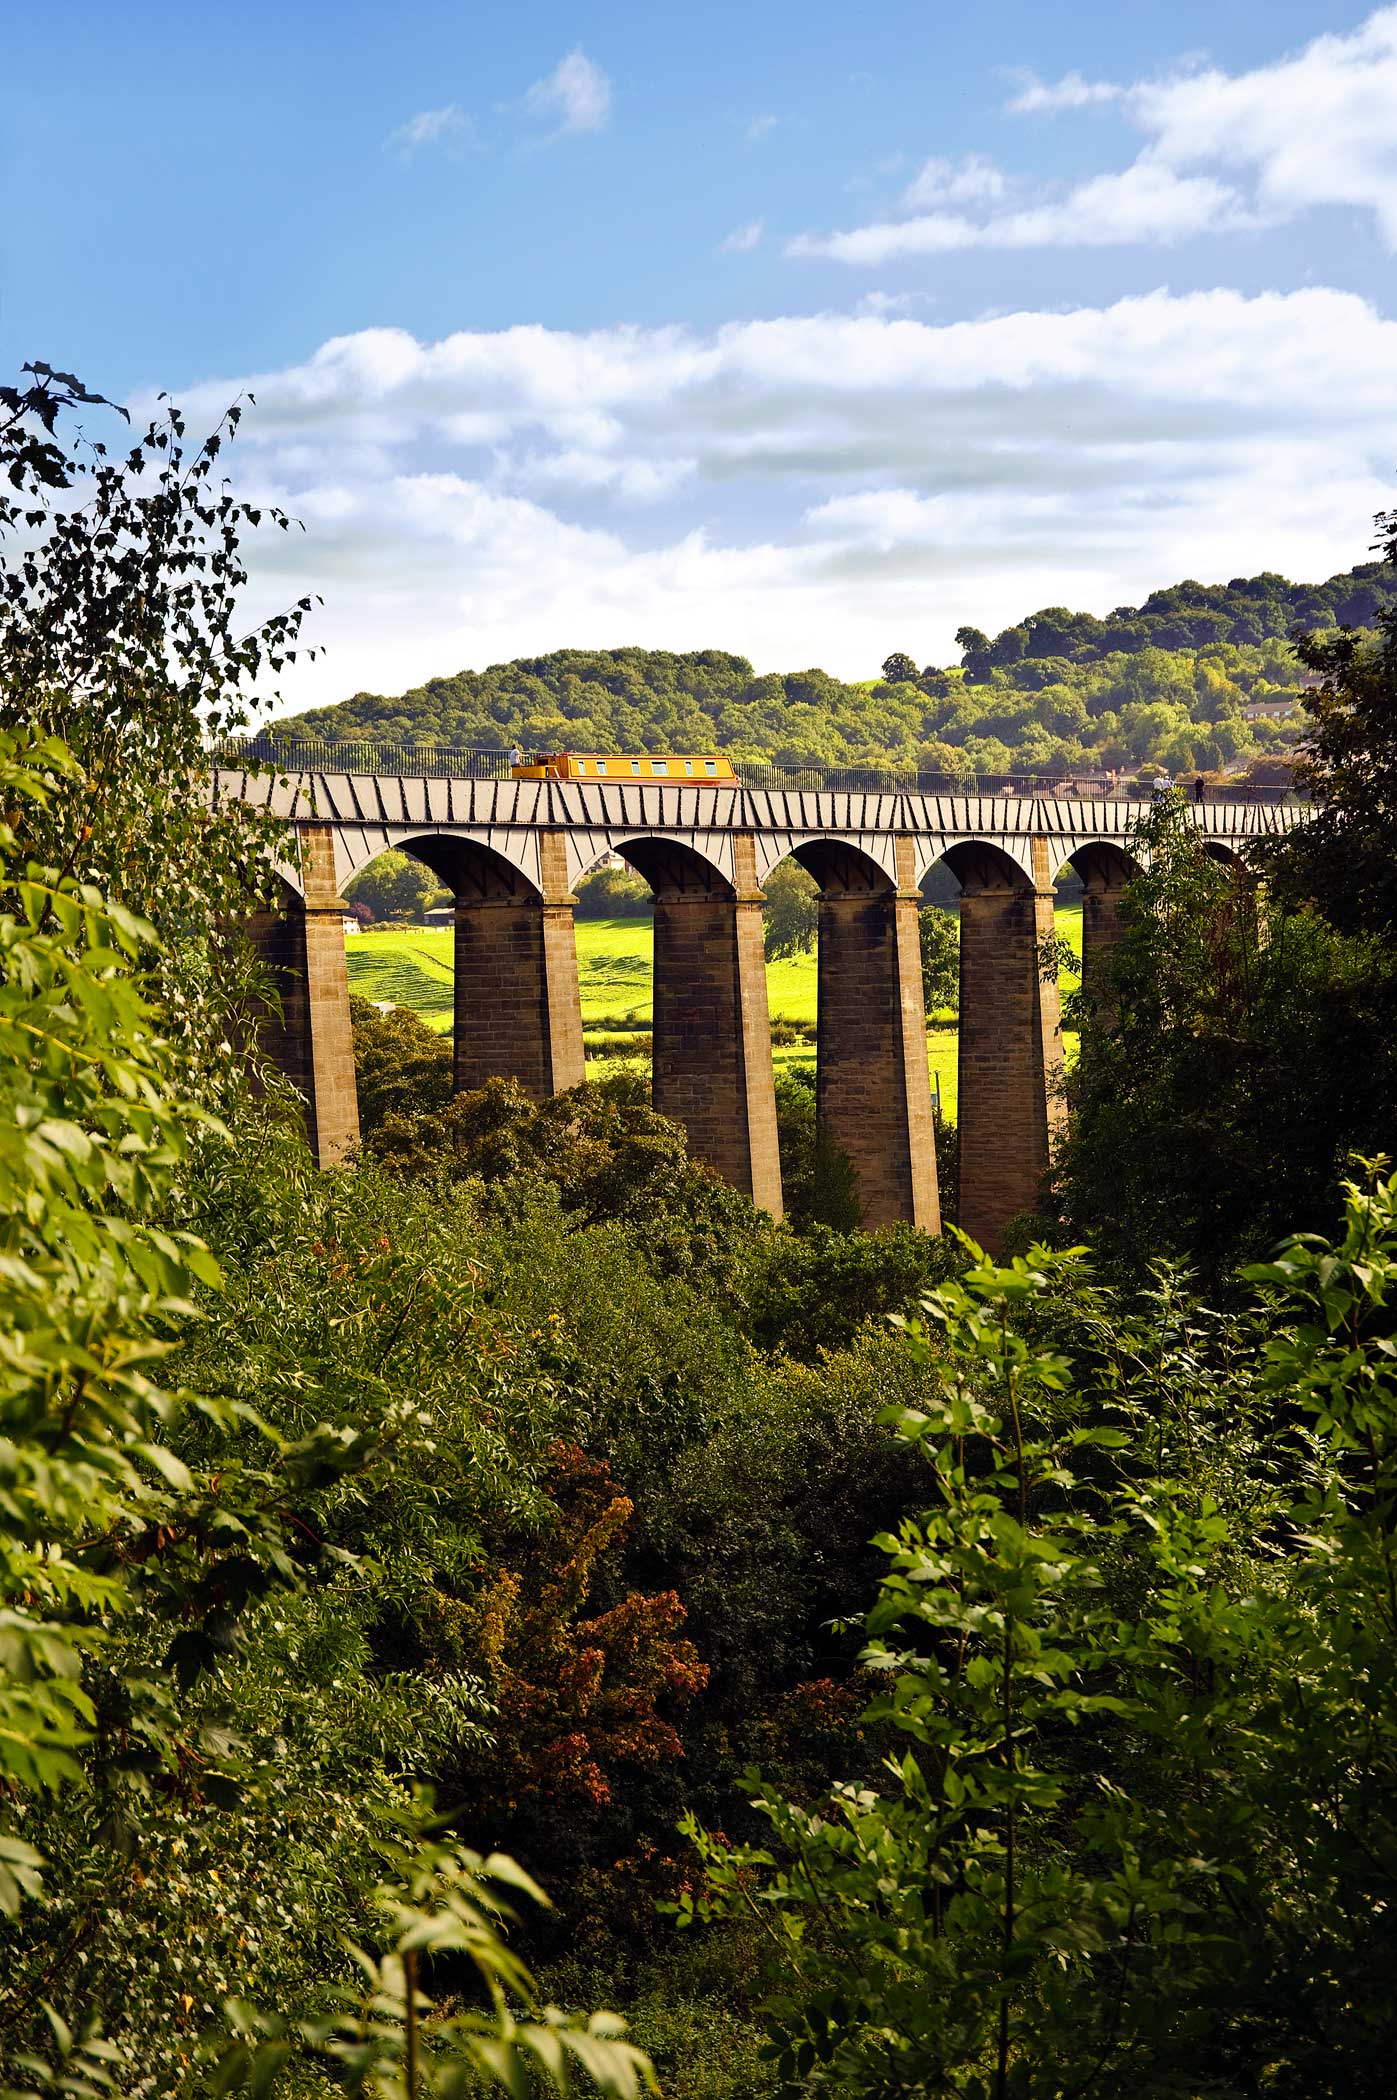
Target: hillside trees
1049,694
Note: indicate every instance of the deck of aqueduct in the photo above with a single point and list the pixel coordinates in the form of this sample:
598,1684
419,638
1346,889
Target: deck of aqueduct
512,851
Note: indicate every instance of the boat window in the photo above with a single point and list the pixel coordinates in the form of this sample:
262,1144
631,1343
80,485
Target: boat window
688,765
659,765
601,765
635,765
710,767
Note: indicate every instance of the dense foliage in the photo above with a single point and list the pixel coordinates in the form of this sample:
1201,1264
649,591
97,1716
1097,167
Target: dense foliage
396,886
191,1808
1234,1058
1241,1046
523,1486
1248,610
1134,1827
1342,864
1166,685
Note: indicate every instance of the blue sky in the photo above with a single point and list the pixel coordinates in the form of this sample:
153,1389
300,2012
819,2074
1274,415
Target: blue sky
797,329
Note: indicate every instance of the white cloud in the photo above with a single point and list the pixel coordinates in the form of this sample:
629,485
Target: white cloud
1071,92
743,239
800,488
1147,202
449,126
887,304
1314,129
576,96
1222,153
971,180
760,127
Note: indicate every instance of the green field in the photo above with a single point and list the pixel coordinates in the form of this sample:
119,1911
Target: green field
412,967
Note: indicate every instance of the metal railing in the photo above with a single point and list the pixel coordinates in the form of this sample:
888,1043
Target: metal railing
361,755
442,762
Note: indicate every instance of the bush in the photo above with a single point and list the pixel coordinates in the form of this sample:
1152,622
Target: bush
614,893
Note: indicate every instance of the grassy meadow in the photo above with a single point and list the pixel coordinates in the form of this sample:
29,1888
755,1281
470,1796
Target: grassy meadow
412,966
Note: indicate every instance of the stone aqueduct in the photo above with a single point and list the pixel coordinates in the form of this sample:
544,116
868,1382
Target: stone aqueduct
511,851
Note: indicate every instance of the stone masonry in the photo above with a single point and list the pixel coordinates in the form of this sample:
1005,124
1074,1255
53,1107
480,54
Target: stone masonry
712,1058
872,1090
511,849
518,1014
1010,1079
1105,871
309,1038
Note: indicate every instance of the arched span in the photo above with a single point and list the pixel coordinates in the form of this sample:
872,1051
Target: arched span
1101,863
357,847
1219,850
809,848
960,853
983,868
474,872
842,869
288,887
673,867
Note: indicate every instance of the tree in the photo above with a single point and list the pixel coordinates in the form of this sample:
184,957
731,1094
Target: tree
400,1066
974,646
149,1514
383,2036
1345,859
614,893
121,631
608,1155
1231,1057
1133,1630
939,934
584,1698
899,669
396,886
791,912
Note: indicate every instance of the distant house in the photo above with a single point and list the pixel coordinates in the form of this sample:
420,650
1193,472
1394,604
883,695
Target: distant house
1267,710
440,915
351,924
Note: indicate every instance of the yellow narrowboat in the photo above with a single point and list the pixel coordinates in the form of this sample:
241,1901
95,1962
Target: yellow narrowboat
687,769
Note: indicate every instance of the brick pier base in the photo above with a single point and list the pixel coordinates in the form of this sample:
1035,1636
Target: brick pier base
310,1041
873,1096
518,1012
1010,1037
712,1058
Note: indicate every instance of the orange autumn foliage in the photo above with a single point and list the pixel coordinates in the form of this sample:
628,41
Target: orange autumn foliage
576,1696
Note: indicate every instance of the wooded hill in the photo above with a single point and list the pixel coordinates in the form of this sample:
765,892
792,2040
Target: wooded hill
1176,681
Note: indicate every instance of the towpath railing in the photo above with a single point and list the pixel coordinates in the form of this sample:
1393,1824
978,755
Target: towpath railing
442,762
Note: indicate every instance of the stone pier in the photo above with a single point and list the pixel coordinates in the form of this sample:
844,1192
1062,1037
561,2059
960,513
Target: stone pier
306,1033
712,1033
517,1010
1010,1074
1105,871
873,1097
